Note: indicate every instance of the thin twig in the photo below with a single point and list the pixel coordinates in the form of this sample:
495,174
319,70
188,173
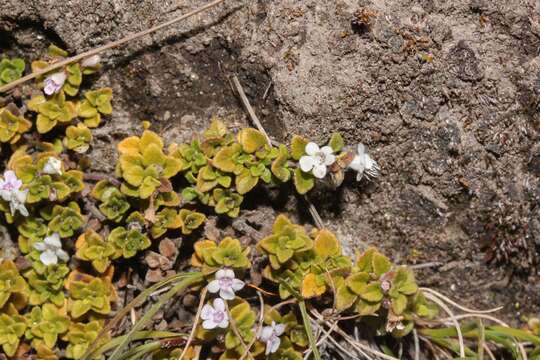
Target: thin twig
481,340
425,265
249,108
460,307
416,345
108,46
195,323
494,319
236,331
259,328
357,345
438,301
133,316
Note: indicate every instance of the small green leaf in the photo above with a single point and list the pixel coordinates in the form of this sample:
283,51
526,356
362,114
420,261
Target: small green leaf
303,182
336,142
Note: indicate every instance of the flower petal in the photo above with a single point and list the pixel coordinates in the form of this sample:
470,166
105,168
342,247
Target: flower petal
228,273
312,148
20,195
220,274
319,171
279,329
59,78
357,163
224,323
219,305
62,255
53,240
237,284
48,257
207,312
329,159
22,210
272,345
213,286
327,150
209,324
10,176
361,149
307,163
40,246
266,333
5,194
226,294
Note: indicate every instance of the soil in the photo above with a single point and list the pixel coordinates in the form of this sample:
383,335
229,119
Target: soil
445,94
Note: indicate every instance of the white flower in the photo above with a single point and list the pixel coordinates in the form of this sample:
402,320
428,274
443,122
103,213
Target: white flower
91,61
226,284
215,316
270,335
51,250
8,184
53,83
364,164
16,202
10,191
52,166
317,159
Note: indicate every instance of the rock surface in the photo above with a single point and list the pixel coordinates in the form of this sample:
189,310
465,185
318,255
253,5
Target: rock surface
445,94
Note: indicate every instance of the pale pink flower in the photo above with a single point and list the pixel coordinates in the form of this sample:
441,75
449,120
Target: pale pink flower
270,335
53,83
215,316
226,284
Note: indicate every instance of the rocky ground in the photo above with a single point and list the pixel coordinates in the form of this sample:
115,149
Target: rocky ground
445,94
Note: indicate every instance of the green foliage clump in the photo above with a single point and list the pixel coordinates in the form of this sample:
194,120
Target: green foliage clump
287,239
47,284
88,293
65,220
129,240
92,247
46,323
190,220
43,181
12,124
143,165
12,329
78,138
79,337
114,203
13,287
52,111
229,253
11,70
95,104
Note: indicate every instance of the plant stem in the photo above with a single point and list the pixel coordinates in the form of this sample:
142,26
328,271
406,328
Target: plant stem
309,330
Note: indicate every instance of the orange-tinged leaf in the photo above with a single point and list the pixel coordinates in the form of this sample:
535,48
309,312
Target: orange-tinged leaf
312,286
326,244
129,145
